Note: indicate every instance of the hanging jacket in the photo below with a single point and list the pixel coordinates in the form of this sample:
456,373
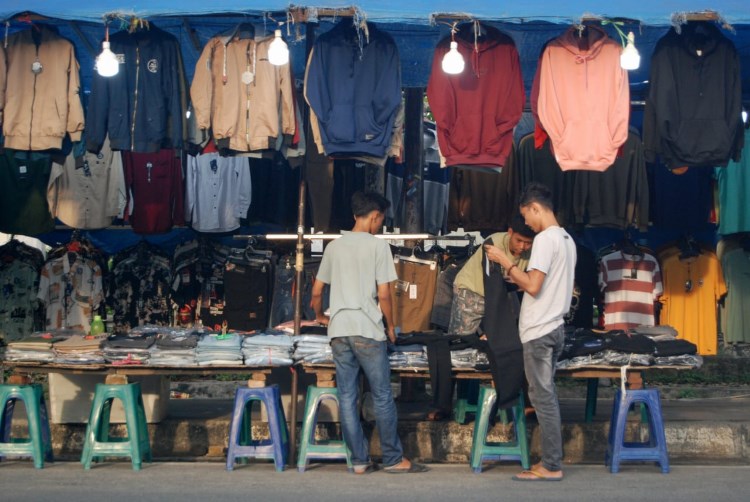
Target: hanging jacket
584,99
143,107
353,85
477,110
37,109
694,104
245,116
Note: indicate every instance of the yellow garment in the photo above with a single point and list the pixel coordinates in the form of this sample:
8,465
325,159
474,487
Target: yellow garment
470,277
691,289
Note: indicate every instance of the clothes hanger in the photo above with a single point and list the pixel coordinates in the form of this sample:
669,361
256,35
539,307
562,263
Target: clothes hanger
243,31
413,259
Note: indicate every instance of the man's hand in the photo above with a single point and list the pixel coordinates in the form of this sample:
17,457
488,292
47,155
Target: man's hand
323,319
391,332
497,255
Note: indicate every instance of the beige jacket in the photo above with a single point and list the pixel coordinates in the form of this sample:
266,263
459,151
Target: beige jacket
37,109
247,114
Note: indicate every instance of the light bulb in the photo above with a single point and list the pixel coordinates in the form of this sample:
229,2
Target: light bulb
453,61
744,116
278,52
107,64
630,59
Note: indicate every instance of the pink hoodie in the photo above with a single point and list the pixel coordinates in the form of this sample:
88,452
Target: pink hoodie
584,99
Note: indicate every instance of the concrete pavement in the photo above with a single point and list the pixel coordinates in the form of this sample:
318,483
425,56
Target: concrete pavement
200,481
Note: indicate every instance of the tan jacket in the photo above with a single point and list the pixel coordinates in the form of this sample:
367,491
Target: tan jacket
246,114
36,110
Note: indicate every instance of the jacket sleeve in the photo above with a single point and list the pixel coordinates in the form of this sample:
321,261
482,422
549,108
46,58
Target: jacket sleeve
441,98
316,87
201,89
98,112
178,191
550,114
619,115
246,188
75,109
286,106
510,109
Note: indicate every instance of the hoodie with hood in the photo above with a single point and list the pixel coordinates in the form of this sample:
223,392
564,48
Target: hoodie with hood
476,110
694,105
584,99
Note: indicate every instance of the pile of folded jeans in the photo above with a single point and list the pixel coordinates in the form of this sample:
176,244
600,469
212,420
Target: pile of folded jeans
216,349
174,347
311,349
79,349
268,348
131,347
464,358
36,347
412,355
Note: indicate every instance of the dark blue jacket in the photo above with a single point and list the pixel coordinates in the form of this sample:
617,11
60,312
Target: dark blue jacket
355,91
142,108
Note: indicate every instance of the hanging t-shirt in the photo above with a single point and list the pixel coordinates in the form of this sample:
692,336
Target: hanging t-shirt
631,284
734,193
736,266
691,289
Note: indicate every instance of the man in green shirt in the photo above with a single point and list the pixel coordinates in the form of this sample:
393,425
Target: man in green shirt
468,306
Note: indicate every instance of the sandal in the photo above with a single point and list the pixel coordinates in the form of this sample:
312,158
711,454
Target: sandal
412,469
364,469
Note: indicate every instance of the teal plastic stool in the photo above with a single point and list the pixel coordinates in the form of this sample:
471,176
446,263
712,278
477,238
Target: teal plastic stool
39,443
467,394
482,450
332,449
98,444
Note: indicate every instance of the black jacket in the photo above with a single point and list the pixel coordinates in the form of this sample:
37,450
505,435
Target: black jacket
694,104
142,108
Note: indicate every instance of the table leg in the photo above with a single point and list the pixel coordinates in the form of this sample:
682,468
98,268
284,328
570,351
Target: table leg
293,417
635,380
592,392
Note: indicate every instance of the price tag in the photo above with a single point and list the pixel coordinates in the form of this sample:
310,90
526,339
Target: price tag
412,291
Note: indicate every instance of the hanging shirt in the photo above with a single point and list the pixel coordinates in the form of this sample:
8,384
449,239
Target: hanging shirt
23,200
141,285
218,192
71,291
691,289
631,285
734,192
19,283
736,266
87,192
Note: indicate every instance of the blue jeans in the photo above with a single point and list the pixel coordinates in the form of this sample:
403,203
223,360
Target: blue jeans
351,353
539,358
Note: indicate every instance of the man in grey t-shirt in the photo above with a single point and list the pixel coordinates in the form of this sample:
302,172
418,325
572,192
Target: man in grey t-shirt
359,268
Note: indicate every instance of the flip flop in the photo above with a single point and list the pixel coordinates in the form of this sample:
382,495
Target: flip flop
365,469
536,477
413,469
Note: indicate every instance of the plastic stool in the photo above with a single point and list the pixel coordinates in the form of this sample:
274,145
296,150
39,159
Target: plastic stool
467,392
241,443
39,444
98,444
655,449
332,449
482,450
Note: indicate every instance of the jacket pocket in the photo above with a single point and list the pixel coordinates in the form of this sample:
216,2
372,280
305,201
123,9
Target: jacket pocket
703,140
466,134
588,142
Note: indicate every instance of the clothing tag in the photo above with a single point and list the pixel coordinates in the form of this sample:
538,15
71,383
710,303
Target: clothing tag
633,273
402,286
22,170
412,292
699,52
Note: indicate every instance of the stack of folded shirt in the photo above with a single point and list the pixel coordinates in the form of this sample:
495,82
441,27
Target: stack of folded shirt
174,347
79,349
464,358
268,348
312,349
130,348
37,347
215,349
407,356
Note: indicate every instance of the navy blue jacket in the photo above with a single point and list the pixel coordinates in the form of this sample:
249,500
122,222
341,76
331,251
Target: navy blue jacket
142,108
354,91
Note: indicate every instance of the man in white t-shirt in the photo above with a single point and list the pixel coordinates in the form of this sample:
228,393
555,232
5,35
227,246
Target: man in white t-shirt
359,268
548,288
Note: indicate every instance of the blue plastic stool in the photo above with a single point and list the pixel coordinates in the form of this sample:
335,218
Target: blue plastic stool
98,444
39,444
241,443
332,449
482,450
655,449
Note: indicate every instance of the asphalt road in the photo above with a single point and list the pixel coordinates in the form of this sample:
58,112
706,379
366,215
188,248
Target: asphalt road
167,481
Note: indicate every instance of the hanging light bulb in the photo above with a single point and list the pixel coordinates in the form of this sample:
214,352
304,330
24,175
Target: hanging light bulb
744,116
107,64
630,59
278,52
453,61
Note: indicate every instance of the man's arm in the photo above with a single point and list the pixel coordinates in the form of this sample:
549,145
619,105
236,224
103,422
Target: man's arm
317,302
384,299
530,282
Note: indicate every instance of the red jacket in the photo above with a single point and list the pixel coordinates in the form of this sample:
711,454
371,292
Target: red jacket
477,110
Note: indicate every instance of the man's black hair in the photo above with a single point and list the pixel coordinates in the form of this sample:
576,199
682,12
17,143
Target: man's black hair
536,192
363,203
519,226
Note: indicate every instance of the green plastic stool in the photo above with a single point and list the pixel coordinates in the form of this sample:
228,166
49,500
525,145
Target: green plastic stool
332,449
39,443
482,450
467,394
98,444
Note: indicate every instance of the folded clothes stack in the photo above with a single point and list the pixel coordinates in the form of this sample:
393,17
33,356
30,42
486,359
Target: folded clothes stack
37,347
129,348
407,356
216,349
79,349
268,348
312,349
464,358
174,347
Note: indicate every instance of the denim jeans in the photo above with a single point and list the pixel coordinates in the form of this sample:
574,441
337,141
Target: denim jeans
282,307
539,358
351,353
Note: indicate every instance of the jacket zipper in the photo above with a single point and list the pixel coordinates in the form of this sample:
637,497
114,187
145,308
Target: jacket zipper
135,103
33,101
247,103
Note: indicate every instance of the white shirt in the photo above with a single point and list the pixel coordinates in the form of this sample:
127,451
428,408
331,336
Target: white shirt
554,254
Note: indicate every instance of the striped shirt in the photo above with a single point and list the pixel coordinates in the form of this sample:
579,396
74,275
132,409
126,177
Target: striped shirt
631,284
